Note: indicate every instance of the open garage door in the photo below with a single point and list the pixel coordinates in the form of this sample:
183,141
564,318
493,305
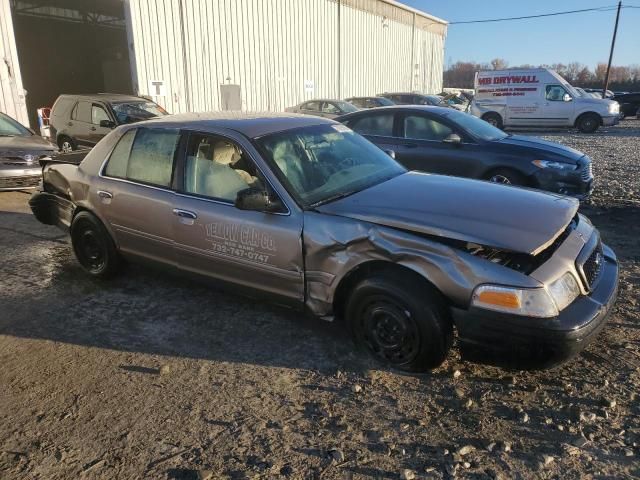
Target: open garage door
70,46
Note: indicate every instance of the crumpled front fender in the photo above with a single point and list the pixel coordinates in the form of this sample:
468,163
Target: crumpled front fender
334,246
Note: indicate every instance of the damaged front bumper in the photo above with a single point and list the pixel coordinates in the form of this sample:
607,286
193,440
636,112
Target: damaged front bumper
522,342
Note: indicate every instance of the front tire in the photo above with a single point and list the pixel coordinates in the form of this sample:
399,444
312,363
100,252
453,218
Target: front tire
493,119
588,123
93,246
403,323
66,144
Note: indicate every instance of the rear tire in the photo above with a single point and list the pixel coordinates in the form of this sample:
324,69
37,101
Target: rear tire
403,323
507,176
493,119
93,246
66,144
588,123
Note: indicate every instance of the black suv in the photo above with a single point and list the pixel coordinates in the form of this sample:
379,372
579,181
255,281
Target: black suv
629,103
82,120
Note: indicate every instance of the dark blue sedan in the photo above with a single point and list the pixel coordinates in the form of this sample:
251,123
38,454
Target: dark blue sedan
449,142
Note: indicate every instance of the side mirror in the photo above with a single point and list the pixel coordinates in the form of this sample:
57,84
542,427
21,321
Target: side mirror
107,124
391,153
258,200
453,138
566,97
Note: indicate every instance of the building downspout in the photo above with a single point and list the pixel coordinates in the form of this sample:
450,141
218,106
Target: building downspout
185,68
339,53
413,43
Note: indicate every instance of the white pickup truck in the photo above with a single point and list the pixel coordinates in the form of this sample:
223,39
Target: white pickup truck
538,98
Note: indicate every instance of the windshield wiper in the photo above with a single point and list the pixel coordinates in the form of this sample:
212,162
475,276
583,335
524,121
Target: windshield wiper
332,198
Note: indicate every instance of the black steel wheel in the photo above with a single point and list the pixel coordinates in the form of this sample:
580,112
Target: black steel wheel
493,119
93,246
588,123
401,320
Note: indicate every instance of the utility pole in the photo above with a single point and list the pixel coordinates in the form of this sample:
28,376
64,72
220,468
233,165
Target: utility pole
613,44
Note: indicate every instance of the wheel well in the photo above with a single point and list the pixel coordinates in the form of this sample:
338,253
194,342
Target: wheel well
489,173
484,115
587,113
367,269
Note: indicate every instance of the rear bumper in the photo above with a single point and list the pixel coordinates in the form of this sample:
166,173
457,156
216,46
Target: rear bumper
52,209
523,342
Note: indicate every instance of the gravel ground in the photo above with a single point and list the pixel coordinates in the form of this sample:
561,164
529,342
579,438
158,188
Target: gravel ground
152,376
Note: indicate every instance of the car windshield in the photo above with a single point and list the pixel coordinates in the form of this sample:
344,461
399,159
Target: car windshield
476,127
325,162
10,128
131,112
346,107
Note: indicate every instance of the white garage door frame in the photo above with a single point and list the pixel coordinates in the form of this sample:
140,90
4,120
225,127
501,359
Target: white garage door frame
12,93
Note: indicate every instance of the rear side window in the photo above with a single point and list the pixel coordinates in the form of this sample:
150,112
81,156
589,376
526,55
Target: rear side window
82,112
62,107
381,124
315,106
117,166
145,156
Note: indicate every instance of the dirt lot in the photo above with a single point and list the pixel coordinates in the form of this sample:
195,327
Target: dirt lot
152,376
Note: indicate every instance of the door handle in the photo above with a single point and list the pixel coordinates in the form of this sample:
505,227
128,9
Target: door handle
93,129
184,213
105,197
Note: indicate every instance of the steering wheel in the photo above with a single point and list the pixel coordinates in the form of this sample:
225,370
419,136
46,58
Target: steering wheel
345,163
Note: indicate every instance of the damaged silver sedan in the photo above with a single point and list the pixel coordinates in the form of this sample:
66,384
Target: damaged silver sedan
307,212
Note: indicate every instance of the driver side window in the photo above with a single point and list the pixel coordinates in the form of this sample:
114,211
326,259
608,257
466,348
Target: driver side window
555,93
218,168
418,127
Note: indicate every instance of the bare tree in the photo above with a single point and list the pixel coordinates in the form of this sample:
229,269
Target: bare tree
499,64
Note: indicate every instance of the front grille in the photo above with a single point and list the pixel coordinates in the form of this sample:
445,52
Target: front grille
26,181
592,266
587,171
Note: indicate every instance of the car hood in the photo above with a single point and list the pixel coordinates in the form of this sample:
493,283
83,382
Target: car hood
24,145
498,216
542,146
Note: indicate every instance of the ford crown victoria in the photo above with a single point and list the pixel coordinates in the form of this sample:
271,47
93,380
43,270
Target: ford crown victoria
307,212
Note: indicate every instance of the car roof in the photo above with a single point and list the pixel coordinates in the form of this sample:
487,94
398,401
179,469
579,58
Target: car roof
250,124
400,93
397,108
322,100
105,97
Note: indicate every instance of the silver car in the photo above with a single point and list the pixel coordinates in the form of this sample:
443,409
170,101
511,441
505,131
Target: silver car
308,213
20,150
323,108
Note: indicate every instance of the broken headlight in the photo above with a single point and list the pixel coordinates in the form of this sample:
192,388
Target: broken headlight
564,290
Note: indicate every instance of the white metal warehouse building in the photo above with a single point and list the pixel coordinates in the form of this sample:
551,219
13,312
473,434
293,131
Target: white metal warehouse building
199,55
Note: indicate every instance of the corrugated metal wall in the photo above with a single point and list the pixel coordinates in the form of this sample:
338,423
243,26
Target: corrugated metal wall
280,52
12,100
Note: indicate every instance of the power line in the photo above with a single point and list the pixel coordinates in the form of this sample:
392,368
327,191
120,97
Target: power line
568,12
